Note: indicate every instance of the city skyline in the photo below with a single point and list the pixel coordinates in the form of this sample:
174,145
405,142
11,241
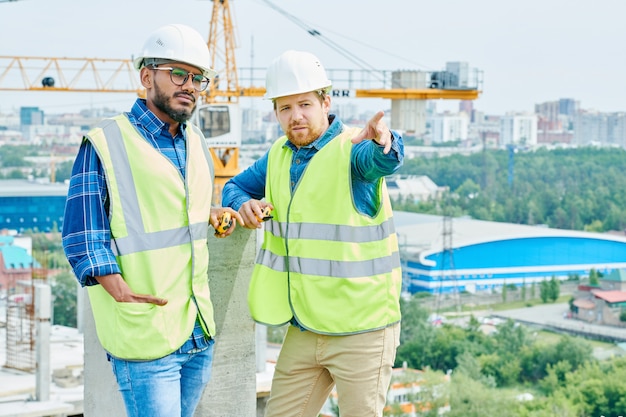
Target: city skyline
530,52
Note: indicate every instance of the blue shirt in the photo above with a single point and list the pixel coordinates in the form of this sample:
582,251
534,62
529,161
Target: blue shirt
368,162
86,233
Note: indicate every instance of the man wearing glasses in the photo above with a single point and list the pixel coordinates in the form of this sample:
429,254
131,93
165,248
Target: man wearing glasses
136,229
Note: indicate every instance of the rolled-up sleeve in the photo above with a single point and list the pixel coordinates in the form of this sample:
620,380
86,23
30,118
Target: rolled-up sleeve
247,185
86,234
370,163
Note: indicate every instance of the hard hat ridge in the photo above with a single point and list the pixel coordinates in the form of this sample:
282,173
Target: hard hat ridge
176,42
295,72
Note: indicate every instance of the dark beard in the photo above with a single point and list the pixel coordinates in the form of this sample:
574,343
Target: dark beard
161,102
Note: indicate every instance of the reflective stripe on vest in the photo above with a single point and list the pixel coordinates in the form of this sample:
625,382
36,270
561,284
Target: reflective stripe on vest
336,270
159,229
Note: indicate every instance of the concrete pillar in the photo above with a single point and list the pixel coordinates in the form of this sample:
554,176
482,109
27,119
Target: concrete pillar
80,307
261,347
232,389
43,312
409,116
100,394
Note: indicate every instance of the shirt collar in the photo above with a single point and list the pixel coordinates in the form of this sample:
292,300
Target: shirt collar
148,119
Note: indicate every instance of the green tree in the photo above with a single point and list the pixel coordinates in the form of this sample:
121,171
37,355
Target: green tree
63,171
13,156
576,189
15,174
593,278
414,320
554,289
471,398
64,289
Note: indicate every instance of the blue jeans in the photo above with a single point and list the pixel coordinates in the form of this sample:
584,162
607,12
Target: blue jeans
168,387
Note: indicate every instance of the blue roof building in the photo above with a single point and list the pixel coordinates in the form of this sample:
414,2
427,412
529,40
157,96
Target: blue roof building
16,263
31,205
473,255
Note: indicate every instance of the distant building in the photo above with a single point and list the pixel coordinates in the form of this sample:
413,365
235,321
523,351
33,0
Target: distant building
467,107
568,107
409,115
604,304
554,137
549,113
9,121
555,121
557,115
414,188
518,129
16,264
32,205
450,127
591,127
31,116
44,134
475,255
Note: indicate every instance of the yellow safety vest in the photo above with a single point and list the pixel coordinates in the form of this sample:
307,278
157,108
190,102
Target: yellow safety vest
335,270
159,230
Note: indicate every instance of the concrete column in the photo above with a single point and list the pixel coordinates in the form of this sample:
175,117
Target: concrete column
43,312
232,389
261,347
80,307
409,115
100,394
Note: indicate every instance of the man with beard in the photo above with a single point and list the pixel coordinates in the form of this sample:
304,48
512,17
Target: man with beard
136,229
329,264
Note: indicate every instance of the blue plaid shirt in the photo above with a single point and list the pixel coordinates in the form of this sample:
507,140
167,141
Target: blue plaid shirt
86,233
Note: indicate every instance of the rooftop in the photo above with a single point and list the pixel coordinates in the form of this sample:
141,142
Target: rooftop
18,388
21,188
424,232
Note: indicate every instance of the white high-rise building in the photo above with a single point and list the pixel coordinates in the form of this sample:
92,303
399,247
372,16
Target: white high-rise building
450,127
518,129
593,127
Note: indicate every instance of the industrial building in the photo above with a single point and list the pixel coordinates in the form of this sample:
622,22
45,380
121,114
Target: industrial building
34,205
449,255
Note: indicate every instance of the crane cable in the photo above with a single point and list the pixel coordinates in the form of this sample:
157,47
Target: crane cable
338,48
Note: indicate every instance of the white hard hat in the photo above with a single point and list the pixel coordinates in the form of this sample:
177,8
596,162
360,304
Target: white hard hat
178,43
295,72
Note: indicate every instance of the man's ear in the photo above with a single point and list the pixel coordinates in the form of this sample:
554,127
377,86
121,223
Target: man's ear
146,76
326,103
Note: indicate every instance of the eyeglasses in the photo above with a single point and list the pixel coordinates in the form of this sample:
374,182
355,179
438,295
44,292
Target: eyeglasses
180,76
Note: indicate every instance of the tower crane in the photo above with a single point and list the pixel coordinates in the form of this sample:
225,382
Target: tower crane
219,114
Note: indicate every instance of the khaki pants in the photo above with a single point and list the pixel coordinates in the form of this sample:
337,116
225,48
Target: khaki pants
310,364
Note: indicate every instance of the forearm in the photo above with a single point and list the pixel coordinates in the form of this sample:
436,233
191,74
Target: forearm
90,263
86,235
250,184
88,251
370,163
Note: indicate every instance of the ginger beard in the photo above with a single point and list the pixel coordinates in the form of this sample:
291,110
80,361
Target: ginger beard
302,137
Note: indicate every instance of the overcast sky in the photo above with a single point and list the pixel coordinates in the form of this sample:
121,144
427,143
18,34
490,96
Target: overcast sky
530,51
